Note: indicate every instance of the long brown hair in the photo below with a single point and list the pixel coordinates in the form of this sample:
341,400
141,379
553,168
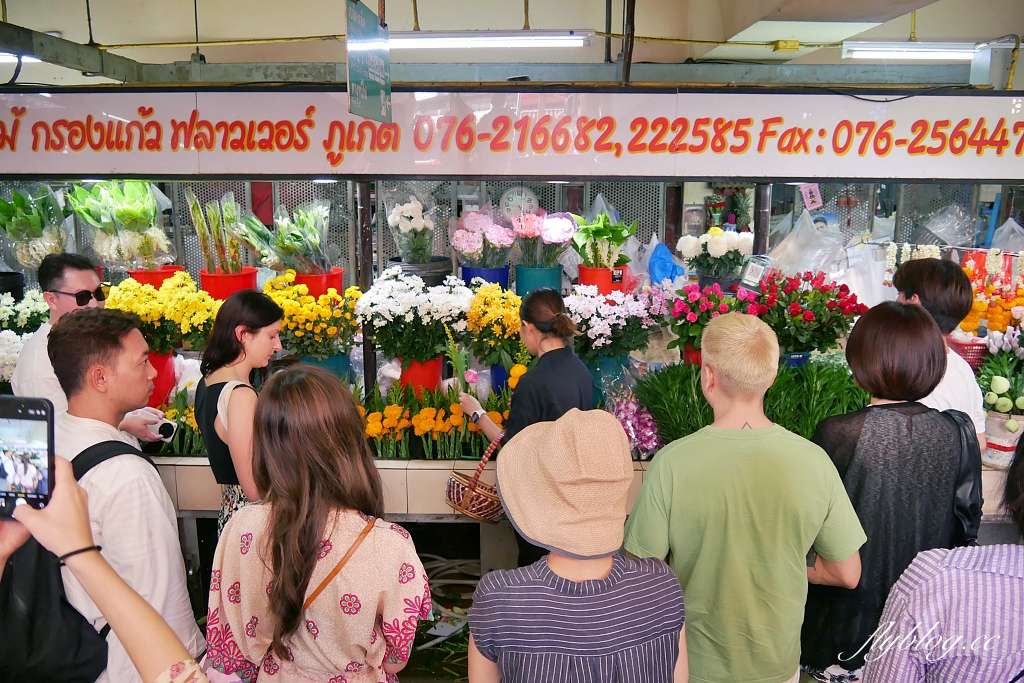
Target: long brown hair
310,458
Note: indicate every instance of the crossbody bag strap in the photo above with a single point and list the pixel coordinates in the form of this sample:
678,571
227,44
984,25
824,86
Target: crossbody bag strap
1018,677
337,567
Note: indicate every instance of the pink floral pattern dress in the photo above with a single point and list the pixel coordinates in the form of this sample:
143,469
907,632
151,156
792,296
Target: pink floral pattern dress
366,615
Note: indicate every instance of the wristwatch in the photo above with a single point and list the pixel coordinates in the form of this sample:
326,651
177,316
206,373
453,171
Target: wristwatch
477,414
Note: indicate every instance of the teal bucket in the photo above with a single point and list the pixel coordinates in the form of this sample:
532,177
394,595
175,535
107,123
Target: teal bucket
339,365
529,279
605,368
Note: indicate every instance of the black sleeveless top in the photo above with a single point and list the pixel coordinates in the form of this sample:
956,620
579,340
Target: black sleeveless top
206,415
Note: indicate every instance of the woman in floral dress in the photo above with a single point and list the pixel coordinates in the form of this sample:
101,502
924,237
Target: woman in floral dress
275,610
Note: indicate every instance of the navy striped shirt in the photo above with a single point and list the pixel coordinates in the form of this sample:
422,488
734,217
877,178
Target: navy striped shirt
539,627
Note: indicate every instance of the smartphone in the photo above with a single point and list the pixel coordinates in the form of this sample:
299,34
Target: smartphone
26,453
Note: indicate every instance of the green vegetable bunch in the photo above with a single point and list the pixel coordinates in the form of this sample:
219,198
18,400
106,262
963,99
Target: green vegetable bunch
1004,394
599,243
27,215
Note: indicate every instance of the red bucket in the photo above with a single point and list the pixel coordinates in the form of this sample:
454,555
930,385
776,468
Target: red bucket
422,376
164,381
154,277
222,285
599,277
319,284
691,356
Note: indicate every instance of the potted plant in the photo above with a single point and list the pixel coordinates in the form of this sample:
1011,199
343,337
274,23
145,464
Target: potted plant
694,307
25,316
125,215
492,331
807,314
542,241
34,223
599,245
319,329
717,255
408,321
224,274
483,246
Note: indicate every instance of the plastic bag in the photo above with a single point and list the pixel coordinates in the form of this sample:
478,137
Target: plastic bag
882,227
635,251
663,266
643,264
951,226
807,248
1009,237
411,219
601,205
780,229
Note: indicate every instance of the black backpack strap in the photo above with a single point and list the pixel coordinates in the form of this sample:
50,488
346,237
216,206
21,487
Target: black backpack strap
103,451
967,502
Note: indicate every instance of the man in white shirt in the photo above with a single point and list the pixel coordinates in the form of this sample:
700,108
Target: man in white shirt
69,282
943,289
102,362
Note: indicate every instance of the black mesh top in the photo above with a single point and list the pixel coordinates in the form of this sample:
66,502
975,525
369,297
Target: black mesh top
899,463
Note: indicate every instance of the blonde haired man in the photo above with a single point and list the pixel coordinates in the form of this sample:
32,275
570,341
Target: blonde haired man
735,508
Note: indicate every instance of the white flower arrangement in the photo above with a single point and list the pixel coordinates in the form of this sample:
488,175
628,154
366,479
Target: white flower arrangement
408,319
612,325
26,315
409,217
10,348
716,253
412,224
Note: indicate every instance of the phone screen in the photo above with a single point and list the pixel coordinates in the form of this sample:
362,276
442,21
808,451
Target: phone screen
26,453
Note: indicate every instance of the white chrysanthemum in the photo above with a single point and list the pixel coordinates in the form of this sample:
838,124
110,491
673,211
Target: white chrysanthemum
745,243
731,240
704,239
689,246
717,247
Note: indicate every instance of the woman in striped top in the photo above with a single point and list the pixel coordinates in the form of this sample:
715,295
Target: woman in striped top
584,612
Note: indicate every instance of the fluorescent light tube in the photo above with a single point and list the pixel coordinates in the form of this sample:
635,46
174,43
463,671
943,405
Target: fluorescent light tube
867,49
440,40
8,58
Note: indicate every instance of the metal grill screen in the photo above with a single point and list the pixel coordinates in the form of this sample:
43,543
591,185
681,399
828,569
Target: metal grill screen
853,220
918,202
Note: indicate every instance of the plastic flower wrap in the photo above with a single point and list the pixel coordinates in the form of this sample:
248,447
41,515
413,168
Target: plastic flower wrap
319,327
34,222
527,228
480,242
492,325
126,218
26,315
408,319
411,219
637,422
300,239
10,347
217,232
176,314
693,308
612,325
716,253
555,237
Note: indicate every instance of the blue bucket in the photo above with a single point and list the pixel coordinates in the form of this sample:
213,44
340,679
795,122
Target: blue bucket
498,276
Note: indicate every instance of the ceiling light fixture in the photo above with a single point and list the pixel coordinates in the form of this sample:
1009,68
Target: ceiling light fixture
441,40
870,49
8,58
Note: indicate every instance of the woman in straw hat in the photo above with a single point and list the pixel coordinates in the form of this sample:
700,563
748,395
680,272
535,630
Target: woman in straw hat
584,608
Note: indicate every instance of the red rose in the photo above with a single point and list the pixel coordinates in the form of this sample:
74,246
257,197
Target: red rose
772,301
808,276
762,309
808,316
862,309
847,309
786,289
830,303
774,289
795,309
844,289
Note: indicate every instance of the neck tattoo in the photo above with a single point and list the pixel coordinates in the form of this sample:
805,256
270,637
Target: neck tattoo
746,425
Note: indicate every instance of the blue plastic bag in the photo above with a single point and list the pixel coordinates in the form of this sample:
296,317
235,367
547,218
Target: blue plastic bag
662,266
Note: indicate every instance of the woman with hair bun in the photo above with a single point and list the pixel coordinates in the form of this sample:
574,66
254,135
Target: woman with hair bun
557,383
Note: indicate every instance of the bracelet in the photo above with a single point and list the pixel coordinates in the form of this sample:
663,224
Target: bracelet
79,552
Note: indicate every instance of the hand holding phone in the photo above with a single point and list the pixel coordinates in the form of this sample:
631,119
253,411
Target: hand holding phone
26,453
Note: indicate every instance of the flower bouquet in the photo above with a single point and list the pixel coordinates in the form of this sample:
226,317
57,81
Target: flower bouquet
555,237
637,422
716,253
480,242
217,232
125,217
694,308
806,313
408,320
612,325
492,326
177,313
10,348
188,440
25,316
300,239
527,228
412,224
34,223
314,327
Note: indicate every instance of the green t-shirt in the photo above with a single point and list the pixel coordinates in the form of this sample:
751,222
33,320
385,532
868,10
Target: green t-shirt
735,512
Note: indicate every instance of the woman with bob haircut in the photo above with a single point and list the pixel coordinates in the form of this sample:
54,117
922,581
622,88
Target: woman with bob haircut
313,585
245,335
900,462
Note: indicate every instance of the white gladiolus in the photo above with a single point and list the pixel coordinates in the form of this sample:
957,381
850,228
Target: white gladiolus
717,247
689,246
746,243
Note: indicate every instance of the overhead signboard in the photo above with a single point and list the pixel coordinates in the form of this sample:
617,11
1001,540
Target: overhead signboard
368,62
542,135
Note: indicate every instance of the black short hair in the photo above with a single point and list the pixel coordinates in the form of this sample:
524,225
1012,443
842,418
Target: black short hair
51,270
896,352
942,286
249,308
83,338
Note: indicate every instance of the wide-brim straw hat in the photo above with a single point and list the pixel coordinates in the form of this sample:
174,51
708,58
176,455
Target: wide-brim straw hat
564,484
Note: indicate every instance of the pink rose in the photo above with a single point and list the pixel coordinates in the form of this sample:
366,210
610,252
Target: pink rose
715,314
723,307
694,296
753,309
691,317
471,376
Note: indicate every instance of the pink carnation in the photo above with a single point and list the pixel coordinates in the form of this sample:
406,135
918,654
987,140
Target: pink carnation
557,230
528,225
498,236
474,221
467,243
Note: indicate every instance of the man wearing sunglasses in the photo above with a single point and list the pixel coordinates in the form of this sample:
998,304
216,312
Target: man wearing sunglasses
69,282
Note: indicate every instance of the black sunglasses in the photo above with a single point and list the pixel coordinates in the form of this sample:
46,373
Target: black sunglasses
83,297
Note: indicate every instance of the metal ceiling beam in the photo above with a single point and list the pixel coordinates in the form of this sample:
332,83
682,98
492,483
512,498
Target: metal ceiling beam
89,59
